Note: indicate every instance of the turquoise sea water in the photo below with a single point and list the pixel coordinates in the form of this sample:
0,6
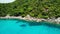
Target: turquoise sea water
12,26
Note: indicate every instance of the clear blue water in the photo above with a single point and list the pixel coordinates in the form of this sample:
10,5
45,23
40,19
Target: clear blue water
11,26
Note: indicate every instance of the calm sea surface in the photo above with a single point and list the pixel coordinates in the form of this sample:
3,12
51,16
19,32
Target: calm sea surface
12,26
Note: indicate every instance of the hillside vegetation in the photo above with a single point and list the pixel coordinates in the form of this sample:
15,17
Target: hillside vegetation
35,8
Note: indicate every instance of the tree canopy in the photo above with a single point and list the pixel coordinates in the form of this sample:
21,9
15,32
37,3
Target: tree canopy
35,8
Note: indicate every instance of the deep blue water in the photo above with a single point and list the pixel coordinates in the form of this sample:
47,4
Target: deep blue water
12,26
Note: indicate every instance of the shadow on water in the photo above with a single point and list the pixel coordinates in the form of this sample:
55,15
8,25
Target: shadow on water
53,25
45,24
33,23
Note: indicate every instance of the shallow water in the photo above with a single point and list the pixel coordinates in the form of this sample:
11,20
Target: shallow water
11,26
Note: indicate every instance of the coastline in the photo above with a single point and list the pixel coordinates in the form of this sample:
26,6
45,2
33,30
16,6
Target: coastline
29,18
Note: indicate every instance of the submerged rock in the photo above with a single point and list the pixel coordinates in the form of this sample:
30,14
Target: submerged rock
23,25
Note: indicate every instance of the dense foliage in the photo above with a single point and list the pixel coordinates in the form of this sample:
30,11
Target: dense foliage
35,8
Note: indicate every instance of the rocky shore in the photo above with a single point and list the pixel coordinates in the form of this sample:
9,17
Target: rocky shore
53,20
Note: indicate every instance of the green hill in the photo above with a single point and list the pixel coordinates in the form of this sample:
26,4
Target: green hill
35,8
